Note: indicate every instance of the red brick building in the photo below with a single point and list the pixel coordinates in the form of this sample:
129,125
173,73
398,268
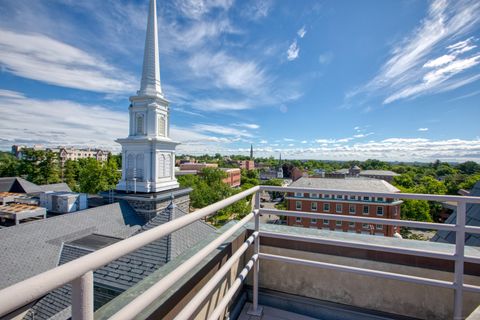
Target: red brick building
234,176
247,164
364,206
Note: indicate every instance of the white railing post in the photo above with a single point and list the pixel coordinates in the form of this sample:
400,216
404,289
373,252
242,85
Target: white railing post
256,310
459,259
82,297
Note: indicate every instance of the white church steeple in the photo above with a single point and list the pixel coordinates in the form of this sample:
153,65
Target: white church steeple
148,153
150,84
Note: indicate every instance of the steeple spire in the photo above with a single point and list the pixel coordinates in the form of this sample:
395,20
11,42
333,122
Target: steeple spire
150,84
251,152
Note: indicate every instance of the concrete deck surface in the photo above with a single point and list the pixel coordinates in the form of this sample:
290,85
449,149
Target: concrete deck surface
270,313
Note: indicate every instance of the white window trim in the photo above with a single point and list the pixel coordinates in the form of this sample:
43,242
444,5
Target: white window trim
298,219
312,206
368,210
380,214
313,221
336,208
354,209
297,205
326,222
326,205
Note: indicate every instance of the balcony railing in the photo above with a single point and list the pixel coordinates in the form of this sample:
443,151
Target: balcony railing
79,273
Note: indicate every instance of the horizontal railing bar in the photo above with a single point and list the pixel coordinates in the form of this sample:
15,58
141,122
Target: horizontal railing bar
142,301
200,297
472,229
222,305
26,291
361,271
358,245
472,259
471,288
394,195
352,218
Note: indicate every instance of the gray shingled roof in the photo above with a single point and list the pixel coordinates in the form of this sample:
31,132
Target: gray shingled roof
379,173
55,187
126,271
30,248
17,184
20,185
347,184
472,219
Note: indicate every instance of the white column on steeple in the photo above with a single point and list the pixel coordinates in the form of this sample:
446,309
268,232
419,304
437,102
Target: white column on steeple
150,84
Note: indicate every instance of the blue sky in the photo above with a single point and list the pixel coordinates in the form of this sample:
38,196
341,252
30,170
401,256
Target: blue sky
392,80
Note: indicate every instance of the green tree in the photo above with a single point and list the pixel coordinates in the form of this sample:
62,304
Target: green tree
418,210
9,165
469,167
70,173
91,176
48,168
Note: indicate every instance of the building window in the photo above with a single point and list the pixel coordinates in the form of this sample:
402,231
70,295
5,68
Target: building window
298,205
379,227
351,209
298,194
338,223
365,209
314,195
339,196
161,126
327,196
351,224
140,124
314,206
298,219
326,222
379,211
339,208
366,198
352,197
394,211
313,221
380,199
365,226
326,207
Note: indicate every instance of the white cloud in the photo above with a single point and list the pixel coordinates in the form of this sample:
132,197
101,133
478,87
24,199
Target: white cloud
440,61
325,58
263,141
225,71
247,125
44,59
257,9
304,141
31,121
195,9
392,149
423,129
412,70
293,51
288,139
222,130
302,32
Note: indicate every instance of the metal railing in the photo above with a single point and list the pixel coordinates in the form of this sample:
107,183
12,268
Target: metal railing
80,271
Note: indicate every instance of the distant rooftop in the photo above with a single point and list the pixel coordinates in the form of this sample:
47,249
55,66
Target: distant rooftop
347,184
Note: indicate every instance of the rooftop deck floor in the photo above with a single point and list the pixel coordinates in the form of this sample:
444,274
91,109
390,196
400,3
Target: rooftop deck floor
270,313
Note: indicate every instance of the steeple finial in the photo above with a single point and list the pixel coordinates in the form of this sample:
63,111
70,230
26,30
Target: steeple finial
251,152
150,84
